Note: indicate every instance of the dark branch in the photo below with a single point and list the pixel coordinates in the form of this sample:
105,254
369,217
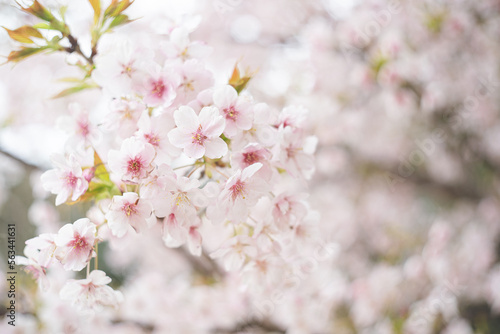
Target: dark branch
252,325
19,160
202,265
75,47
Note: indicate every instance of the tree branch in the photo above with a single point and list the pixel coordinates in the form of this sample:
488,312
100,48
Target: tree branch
75,47
202,265
19,160
253,325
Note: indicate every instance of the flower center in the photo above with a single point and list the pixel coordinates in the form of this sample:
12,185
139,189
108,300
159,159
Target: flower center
127,68
198,137
71,180
126,113
129,209
158,88
237,190
181,198
251,157
292,151
231,113
188,85
84,128
152,139
134,166
78,242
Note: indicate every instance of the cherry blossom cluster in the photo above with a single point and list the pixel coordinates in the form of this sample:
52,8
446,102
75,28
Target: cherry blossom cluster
404,101
178,150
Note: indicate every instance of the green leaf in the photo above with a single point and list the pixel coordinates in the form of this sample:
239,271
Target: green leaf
60,26
70,79
100,169
119,20
73,90
43,25
225,139
100,187
63,11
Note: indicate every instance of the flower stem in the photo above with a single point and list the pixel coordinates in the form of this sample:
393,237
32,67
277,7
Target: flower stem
221,173
194,170
190,165
96,260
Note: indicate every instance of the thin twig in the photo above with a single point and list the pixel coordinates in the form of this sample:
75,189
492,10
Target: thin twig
19,160
253,325
75,47
203,265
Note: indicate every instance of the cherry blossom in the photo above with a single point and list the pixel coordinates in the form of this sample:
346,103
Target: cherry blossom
177,231
92,293
180,194
240,192
251,154
387,94
67,181
154,130
262,131
44,245
82,130
35,267
236,110
289,209
295,153
182,48
119,66
129,211
194,79
123,117
75,243
133,161
234,252
198,135
159,87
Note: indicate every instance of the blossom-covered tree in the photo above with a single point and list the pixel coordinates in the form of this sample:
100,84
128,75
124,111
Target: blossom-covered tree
349,185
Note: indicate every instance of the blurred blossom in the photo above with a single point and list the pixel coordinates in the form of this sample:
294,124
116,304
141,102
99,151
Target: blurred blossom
352,186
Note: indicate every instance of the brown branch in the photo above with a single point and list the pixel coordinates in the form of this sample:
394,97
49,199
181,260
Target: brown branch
202,265
253,325
75,47
19,160
146,328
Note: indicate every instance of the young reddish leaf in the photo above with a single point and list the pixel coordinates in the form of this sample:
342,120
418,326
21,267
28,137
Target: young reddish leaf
18,36
116,7
23,34
38,10
235,77
239,82
96,5
111,8
16,56
122,6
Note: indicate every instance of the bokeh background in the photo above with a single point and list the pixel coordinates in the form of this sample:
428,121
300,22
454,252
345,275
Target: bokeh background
404,99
